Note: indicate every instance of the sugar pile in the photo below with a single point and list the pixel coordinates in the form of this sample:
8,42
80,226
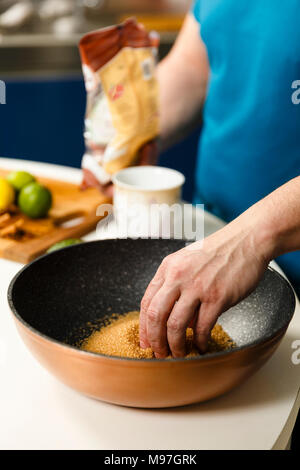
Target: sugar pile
120,337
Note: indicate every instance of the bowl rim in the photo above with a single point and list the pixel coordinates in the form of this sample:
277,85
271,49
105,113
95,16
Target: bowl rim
205,357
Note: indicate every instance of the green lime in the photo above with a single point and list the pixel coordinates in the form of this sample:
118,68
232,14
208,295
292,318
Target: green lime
34,200
19,179
64,243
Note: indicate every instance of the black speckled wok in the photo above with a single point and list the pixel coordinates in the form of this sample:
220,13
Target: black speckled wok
54,297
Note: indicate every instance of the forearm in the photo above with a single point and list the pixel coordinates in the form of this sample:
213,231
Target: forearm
182,77
180,102
274,222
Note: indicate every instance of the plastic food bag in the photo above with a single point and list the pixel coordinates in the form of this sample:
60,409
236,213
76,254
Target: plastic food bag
122,98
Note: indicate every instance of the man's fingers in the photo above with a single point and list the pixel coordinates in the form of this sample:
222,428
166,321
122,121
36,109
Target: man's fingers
208,315
194,319
180,318
150,292
148,154
157,316
144,343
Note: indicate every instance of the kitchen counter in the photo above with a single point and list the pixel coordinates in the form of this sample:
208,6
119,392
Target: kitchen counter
38,412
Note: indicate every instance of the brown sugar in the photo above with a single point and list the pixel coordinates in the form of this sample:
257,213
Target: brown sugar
120,337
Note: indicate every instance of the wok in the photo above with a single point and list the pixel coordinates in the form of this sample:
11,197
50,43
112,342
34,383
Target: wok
53,298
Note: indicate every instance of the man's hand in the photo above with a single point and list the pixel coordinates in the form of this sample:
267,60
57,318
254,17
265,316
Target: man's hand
148,155
193,286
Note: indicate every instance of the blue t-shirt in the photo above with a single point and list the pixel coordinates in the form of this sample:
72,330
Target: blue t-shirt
250,141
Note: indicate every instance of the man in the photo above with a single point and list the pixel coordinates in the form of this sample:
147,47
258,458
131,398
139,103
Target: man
239,60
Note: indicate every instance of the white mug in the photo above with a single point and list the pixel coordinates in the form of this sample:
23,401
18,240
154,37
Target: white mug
142,195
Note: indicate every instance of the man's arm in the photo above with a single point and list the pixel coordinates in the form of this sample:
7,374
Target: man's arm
182,77
196,284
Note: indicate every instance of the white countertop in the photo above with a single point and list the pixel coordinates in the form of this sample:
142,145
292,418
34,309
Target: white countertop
38,412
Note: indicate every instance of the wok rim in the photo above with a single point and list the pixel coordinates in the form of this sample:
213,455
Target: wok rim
205,357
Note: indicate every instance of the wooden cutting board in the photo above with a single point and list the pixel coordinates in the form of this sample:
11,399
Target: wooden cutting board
73,214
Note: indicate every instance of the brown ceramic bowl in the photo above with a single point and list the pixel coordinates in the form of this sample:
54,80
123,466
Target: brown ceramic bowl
54,297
